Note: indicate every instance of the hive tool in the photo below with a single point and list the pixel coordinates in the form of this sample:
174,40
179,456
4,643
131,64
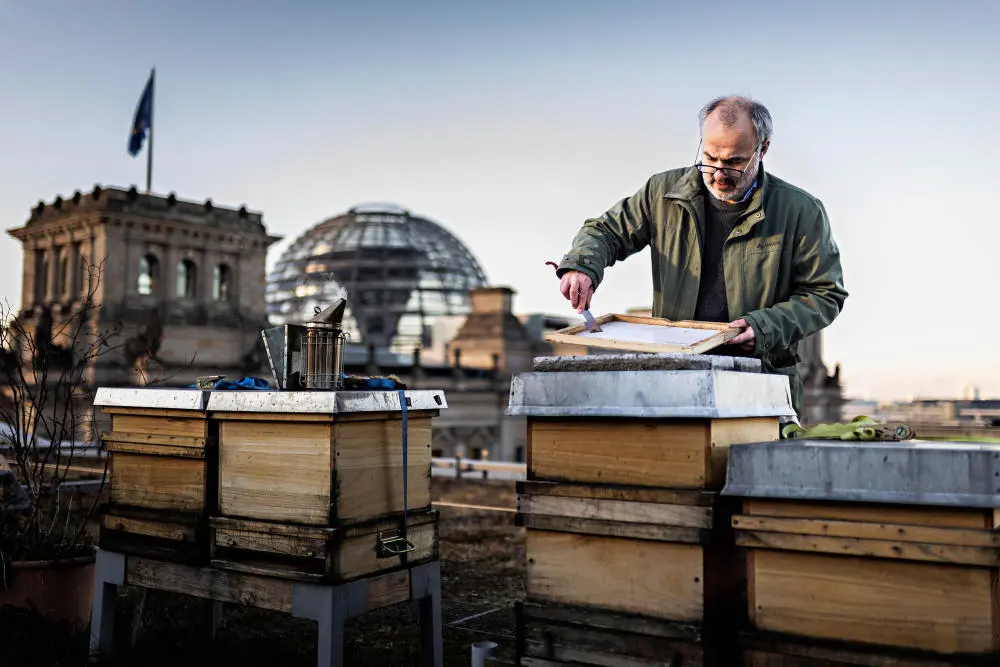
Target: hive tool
588,318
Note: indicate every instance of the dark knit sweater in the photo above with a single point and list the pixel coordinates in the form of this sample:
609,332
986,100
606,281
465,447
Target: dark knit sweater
720,218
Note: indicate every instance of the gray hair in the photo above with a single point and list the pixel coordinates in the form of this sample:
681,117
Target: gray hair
763,126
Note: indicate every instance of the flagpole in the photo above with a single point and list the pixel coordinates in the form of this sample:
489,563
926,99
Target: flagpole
149,152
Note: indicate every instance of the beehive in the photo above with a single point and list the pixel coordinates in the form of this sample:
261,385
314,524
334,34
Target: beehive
891,545
163,450
303,476
622,507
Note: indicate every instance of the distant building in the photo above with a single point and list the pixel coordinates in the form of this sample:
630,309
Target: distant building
184,281
823,392
400,273
971,413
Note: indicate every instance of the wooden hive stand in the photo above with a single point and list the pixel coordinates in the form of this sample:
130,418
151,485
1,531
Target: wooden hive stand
163,450
330,606
869,553
630,554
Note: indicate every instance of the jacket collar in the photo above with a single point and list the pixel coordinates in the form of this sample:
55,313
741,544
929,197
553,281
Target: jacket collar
690,188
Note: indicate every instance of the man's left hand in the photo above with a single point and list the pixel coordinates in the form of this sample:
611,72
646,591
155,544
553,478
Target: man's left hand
745,339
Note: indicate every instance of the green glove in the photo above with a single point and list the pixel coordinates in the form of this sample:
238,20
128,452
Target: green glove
860,428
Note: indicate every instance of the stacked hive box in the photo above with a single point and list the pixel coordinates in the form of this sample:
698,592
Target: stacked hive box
311,483
629,555
869,553
307,485
163,452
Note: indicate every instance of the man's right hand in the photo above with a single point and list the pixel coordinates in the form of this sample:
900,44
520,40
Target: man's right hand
577,287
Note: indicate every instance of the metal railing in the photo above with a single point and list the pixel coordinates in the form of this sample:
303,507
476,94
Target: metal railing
460,468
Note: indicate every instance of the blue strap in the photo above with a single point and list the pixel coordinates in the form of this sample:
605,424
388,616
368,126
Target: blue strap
402,406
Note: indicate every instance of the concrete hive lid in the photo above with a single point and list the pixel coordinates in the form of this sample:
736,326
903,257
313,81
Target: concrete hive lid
953,474
145,397
678,394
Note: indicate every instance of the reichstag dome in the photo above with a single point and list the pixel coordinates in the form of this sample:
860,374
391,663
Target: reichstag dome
398,272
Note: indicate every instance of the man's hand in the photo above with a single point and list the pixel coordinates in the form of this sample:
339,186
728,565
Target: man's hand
746,339
576,287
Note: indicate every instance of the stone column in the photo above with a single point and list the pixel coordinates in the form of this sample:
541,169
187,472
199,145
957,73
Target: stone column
28,274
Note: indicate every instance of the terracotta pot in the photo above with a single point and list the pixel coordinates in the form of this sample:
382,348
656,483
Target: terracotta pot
60,591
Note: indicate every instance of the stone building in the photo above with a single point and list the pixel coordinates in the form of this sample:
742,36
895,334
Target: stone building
823,392
400,273
181,283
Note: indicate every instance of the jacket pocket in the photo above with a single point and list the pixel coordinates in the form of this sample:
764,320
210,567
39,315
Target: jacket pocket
764,246
762,272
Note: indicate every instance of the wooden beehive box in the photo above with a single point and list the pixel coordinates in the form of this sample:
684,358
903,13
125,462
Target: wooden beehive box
910,577
323,459
163,472
658,553
875,544
551,634
662,421
657,452
323,554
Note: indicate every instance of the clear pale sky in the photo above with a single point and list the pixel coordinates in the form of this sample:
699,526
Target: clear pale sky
511,122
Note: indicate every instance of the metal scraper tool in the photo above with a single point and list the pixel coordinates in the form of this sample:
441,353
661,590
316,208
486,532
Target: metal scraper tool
592,325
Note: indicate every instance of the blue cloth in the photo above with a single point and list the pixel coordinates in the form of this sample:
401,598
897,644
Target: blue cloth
143,118
251,383
380,383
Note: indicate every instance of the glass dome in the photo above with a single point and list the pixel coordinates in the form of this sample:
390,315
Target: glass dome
397,271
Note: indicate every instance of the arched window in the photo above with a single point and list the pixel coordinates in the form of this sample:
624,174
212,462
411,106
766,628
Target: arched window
149,275
187,279
221,283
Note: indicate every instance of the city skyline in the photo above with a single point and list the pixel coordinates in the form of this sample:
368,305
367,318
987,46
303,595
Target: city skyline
510,125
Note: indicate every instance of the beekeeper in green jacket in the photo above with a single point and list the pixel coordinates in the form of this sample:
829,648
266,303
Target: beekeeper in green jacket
729,243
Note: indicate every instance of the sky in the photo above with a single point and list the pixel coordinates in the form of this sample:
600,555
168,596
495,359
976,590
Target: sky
510,123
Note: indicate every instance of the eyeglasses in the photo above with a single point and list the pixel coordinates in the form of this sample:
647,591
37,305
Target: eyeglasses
731,172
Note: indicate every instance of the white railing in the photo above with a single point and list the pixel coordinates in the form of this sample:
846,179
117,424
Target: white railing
477,469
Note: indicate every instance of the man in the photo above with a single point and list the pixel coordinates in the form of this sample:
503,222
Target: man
729,243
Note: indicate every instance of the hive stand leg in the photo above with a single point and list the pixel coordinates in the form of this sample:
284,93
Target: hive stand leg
109,574
137,615
218,617
425,585
326,605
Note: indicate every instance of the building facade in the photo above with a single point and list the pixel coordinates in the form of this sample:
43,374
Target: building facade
178,284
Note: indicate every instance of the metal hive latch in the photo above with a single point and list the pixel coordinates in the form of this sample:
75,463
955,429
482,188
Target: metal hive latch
391,543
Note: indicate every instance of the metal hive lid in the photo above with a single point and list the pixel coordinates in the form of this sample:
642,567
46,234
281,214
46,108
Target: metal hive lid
954,474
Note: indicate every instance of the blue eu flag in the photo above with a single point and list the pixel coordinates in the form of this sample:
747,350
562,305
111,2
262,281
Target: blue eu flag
143,118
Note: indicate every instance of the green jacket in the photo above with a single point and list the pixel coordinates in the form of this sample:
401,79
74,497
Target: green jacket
781,263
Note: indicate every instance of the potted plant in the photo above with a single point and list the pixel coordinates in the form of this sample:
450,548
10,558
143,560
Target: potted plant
47,530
